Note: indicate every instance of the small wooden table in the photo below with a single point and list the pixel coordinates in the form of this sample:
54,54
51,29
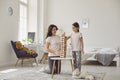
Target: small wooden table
59,59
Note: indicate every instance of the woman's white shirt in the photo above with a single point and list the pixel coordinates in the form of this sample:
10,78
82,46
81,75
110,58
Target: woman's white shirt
54,44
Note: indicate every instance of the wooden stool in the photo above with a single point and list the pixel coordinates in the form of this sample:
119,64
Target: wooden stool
59,59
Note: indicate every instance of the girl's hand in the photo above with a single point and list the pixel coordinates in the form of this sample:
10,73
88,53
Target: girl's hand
82,51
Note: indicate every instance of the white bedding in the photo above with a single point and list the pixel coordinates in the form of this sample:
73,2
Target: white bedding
103,55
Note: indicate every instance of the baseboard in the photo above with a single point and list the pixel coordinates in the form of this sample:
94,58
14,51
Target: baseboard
7,64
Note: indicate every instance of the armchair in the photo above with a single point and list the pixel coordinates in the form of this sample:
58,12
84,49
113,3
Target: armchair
22,55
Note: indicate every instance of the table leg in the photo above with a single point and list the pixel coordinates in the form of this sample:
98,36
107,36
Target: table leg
58,66
71,64
53,67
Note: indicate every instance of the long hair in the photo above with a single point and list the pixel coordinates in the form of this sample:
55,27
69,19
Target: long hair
76,25
49,33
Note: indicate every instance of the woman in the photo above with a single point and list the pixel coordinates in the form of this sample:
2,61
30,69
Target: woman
53,47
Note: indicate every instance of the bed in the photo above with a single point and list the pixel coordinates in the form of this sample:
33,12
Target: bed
103,55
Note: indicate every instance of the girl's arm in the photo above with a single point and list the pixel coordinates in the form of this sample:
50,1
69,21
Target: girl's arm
68,37
50,50
82,45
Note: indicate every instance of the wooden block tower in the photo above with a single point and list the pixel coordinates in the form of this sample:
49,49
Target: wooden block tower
63,46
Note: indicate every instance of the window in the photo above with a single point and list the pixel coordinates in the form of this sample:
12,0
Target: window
23,20
24,1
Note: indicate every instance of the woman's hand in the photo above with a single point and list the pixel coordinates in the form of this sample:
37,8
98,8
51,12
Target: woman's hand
63,34
57,53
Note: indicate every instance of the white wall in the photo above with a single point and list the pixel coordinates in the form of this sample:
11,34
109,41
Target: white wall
103,15
8,31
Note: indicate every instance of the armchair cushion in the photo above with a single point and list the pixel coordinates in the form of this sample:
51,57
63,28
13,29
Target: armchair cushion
22,54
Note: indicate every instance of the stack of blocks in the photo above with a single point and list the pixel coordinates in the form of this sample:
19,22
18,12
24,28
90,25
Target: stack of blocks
63,46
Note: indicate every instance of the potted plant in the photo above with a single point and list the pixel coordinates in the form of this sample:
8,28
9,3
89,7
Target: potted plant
27,41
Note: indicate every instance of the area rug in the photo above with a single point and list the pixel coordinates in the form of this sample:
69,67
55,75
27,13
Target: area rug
36,74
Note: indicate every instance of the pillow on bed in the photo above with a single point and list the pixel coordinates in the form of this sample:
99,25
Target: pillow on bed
108,50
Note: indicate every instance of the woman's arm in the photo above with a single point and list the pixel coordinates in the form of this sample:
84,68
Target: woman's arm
50,50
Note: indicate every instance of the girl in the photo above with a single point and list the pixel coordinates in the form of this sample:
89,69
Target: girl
77,45
53,47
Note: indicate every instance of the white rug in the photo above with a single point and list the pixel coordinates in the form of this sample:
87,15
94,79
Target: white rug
36,74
